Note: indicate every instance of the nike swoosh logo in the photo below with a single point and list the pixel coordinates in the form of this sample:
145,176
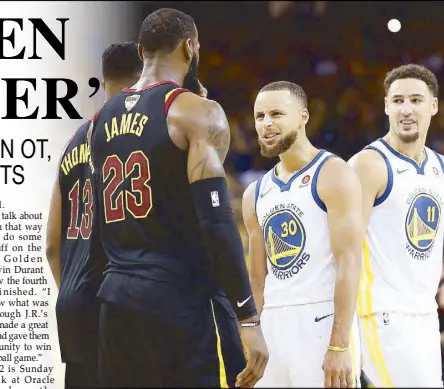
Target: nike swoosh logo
263,194
243,302
401,171
322,317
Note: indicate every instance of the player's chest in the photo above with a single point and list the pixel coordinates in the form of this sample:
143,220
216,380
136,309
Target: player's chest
287,208
416,199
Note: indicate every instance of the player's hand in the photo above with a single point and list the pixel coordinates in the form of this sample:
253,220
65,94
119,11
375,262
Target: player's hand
256,353
203,92
338,371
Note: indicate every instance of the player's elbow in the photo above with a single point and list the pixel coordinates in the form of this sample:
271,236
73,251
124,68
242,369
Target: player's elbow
257,281
349,261
257,275
348,272
52,250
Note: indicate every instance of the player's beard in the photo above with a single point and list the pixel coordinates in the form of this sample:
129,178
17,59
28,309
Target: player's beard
271,151
191,80
409,138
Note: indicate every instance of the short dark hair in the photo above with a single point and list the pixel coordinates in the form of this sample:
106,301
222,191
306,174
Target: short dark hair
162,30
121,61
293,88
418,72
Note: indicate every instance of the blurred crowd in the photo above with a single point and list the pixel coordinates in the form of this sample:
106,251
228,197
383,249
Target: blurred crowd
339,52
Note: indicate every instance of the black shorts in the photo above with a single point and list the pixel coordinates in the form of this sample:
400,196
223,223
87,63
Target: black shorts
81,375
141,351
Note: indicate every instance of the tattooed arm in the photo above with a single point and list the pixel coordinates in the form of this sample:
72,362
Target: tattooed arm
206,133
200,126
208,145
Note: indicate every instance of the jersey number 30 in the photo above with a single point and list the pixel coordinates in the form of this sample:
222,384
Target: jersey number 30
139,206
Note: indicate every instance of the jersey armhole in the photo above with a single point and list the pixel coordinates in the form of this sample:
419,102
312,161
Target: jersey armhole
96,114
170,96
314,183
389,186
256,192
62,155
439,160
91,128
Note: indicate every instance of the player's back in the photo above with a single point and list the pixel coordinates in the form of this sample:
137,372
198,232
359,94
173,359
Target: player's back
402,255
149,225
300,263
82,260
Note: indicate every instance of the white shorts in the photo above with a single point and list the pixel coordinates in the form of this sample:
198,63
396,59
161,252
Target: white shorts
401,350
297,338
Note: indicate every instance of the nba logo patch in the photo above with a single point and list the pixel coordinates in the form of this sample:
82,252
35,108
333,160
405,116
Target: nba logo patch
305,181
131,101
385,317
215,199
435,170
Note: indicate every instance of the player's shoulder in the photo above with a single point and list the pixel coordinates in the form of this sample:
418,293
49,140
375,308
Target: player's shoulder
197,117
83,128
250,197
336,173
110,104
79,136
189,106
253,190
369,159
328,162
373,168
249,192
433,151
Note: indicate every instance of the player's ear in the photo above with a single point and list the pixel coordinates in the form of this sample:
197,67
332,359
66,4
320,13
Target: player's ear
140,51
385,105
188,49
434,106
305,115
103,83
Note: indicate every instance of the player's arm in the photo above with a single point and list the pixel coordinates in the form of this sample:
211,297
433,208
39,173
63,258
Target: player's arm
54,226
205,127
340,190
206,130
372,172
256,244
53,232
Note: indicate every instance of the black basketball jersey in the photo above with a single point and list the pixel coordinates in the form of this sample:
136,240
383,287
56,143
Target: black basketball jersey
149,227
82,260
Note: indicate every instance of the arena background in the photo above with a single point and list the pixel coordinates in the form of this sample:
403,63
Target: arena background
339,52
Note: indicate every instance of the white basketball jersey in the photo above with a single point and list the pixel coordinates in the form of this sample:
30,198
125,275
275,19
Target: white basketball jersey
301,267
403,249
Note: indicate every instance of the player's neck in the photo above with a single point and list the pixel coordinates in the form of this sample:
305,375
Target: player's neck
112,89
297,156
413,150
157,71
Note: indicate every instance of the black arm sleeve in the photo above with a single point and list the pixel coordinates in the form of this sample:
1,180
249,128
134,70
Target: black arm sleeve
223,243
